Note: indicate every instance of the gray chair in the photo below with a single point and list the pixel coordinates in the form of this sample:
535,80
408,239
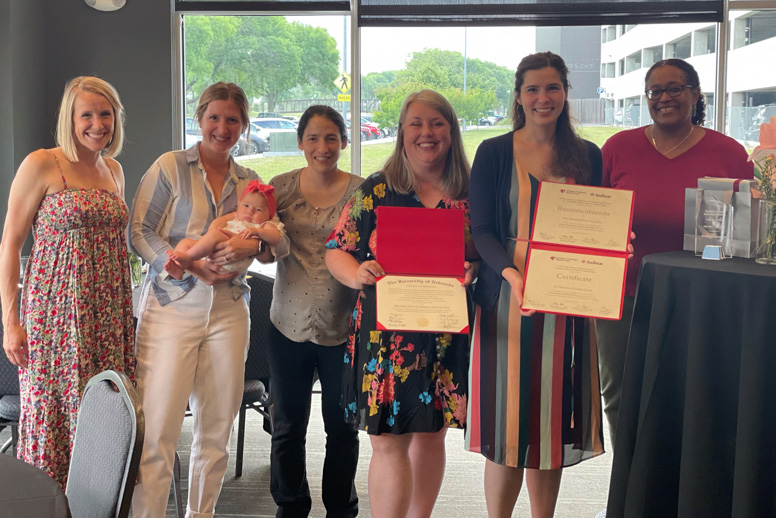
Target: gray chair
9,399
257,373
106,449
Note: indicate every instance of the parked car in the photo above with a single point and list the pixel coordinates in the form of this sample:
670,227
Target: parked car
490,119
374,129
276,115
274,123
257,142
366,133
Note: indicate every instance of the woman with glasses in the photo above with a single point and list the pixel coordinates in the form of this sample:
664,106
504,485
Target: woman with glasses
658,162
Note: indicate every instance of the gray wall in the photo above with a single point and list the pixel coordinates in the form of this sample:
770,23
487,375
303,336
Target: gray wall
45,43
580,48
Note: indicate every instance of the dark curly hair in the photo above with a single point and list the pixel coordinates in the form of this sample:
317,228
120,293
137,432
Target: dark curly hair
691,77
569,155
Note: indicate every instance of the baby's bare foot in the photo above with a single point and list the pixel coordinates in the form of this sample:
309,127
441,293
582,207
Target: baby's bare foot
174,269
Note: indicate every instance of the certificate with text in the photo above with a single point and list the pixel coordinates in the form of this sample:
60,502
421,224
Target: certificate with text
426,304
578,254
583,216
571,282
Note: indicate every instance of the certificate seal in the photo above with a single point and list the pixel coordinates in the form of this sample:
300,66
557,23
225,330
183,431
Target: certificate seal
423,322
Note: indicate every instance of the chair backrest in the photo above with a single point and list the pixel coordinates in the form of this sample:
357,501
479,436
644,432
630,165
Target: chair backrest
257,363
106,449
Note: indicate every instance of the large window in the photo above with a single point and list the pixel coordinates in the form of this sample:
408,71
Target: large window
287,63
751,84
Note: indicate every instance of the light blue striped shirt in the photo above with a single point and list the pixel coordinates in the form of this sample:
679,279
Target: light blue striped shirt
174,201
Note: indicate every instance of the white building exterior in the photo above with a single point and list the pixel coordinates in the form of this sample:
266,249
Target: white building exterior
627,52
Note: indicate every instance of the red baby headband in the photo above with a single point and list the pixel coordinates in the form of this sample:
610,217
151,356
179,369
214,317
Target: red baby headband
265,189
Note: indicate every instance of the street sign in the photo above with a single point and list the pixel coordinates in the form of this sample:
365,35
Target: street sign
601,90
343,82
343,98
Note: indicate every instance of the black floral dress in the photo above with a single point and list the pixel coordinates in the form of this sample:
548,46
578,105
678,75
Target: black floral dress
398,382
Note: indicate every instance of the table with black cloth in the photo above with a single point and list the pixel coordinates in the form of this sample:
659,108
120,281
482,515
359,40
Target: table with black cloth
698,411
26,492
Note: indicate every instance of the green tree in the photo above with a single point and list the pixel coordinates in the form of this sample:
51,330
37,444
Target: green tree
373,81
266,55
489,86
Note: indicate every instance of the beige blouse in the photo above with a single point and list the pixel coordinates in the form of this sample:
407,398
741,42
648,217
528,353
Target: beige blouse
308,304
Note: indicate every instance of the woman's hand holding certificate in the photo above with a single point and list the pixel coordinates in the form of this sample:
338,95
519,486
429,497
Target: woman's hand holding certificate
579,251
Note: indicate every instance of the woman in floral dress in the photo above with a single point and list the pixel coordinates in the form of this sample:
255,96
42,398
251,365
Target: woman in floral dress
76,317
404,388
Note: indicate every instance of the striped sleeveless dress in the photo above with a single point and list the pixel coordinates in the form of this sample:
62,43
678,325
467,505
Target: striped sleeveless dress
534,398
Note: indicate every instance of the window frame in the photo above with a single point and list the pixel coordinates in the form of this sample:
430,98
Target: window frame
265,8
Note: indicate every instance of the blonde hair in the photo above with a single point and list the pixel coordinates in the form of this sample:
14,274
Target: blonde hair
222,91
64,133
455,177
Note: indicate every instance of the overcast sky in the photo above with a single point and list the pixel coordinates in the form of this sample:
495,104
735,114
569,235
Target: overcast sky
389,48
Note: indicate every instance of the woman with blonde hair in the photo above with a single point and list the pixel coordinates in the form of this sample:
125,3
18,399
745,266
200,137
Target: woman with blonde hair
76,303
404,388
192,335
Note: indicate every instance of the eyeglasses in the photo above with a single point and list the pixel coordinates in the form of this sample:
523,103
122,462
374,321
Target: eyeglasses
672,91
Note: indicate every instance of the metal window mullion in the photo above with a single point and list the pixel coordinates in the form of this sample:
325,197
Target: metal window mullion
178,111
720,97
355,89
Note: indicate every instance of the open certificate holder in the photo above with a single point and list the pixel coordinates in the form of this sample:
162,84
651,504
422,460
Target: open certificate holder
578,255
422,254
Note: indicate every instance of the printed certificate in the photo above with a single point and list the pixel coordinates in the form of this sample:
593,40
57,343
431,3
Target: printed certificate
573,283
583,216
422,289
578,256
428,304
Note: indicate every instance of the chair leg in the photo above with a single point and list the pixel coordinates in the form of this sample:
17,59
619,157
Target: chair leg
7,445
15,438
240,442
176,486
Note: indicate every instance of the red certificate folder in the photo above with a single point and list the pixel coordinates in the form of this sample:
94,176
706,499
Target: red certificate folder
421,243
575,262
418,241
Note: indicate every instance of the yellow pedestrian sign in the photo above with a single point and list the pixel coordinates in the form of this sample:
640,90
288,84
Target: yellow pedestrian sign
343,98
343,82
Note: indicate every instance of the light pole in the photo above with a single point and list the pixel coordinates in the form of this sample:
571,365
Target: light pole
465,36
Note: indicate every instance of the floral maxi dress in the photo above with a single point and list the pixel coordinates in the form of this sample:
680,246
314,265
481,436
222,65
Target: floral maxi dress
398,382
77,312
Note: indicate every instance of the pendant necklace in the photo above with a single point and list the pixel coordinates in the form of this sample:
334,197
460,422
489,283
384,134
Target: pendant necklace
652,136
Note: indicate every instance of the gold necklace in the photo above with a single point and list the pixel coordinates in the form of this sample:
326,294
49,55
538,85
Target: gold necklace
652,136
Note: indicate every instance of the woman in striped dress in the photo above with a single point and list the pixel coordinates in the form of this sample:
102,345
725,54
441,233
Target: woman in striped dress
534,398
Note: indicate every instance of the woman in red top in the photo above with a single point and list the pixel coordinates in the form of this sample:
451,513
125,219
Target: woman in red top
658,162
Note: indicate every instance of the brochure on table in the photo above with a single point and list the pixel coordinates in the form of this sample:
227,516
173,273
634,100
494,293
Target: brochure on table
578,254
422,253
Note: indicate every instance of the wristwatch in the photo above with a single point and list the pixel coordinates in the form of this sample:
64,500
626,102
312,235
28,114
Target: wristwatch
261,246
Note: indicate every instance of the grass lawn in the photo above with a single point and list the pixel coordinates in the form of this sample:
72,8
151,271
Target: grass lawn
373,155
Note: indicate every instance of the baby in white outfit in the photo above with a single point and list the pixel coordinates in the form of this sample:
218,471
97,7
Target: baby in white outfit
255,209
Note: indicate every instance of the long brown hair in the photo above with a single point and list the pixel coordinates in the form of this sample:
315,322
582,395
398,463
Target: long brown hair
569,155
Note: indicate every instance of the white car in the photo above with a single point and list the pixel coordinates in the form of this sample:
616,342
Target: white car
274,123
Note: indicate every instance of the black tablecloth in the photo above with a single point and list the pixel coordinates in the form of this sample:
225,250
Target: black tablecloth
699,392
26,492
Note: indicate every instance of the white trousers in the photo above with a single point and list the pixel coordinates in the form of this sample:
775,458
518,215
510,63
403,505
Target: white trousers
191,350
